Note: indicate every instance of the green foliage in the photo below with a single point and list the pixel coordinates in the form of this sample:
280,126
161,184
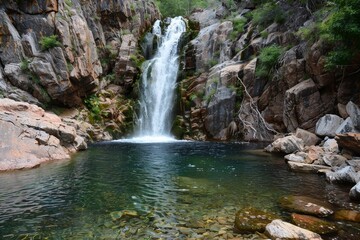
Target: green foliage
266,14
238,27
267,60
342,29
212,62
49,42
172,8
210,95
93,104
138,59
24,65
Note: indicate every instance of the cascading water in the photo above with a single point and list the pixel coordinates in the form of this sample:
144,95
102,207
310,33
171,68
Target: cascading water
159,81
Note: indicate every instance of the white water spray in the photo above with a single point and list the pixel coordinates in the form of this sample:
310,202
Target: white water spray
159,82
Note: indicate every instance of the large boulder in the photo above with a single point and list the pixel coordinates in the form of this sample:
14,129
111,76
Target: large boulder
307,168
279,229
327,125
354,112
302,106
288,144
350,142
31,136
346,126
347,215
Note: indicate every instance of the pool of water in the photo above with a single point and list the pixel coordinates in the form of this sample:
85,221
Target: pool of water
178,189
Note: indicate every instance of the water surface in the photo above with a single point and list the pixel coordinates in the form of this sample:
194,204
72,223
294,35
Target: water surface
171,186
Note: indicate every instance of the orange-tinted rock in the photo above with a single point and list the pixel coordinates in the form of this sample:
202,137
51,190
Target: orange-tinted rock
347,215
313,224
349,141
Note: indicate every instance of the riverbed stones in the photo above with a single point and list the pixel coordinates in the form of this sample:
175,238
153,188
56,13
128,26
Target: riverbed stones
333,160
288,144
331,146
279,229
251,220
313,224
306,205
327,125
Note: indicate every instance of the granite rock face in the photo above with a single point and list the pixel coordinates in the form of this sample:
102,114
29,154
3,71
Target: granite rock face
31,136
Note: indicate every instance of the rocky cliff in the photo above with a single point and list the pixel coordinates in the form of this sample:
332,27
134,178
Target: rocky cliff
76,58
252,74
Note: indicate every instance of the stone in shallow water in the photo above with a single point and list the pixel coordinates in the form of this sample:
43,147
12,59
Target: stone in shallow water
307,205
313,224
251,220
279,229
347,215
123,214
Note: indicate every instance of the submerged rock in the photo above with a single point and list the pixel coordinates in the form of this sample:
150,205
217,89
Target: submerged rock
279,229
251,220
307,205
115,216
313,224
347,215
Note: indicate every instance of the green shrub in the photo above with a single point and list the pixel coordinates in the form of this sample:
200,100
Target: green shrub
238,27
267,60
24,65
49,42
266,14
342,29
93,105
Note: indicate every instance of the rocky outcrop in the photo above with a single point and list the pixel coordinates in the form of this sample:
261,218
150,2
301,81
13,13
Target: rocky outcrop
31,136
350,142
287,144
327,125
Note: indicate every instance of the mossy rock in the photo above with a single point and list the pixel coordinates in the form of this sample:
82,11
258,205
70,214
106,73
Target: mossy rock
252,220
314,224
347,215
306,205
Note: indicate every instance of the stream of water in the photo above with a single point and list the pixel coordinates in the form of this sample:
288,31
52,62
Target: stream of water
159,81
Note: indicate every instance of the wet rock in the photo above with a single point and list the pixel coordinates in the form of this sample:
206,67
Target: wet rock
331,146
251,220
354,193
306,205
31,136
279,229
287,144
345,175
309,138
354,112
347,215
313,224
307,168
349,141
327,125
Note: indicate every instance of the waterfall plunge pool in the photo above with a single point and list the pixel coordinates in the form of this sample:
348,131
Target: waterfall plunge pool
179,190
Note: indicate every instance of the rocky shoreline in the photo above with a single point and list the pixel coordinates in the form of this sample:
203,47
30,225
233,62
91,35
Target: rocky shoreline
30,136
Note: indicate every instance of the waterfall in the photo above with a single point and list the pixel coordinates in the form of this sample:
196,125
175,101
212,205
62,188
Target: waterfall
158,83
